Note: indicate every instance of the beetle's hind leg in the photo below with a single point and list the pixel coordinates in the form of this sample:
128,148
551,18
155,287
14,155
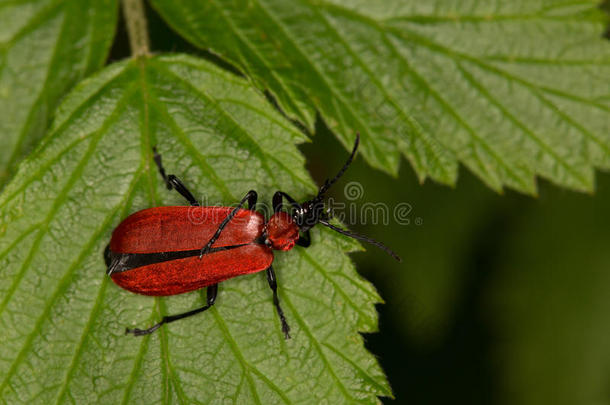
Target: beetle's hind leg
172,182
276,301
211,293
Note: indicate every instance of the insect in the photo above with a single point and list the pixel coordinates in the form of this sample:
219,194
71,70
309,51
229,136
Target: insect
162,251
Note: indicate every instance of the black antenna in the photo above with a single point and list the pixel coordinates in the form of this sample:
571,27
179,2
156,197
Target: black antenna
362,238
329,183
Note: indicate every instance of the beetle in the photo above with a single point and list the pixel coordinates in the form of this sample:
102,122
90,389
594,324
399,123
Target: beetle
163,251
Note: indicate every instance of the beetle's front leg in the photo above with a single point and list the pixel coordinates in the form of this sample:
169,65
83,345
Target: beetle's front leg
271,279
277,201
251,197
304,240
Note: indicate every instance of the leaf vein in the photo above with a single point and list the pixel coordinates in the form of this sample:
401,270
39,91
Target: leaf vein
318,349
380,154
522,126
245,365
319,269
254,50
207,170
229,116
57,204
62,285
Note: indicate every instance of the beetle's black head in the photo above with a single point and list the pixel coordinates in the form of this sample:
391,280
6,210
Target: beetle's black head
309,213
312,212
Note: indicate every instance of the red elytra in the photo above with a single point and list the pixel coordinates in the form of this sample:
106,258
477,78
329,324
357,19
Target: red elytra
164,229
172,250
175,229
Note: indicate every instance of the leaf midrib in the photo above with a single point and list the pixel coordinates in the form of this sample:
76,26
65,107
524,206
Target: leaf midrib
408,119
229,116
254,50
35,22
458,18
338,95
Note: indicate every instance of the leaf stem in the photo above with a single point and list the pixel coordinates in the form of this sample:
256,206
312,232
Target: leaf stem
137,29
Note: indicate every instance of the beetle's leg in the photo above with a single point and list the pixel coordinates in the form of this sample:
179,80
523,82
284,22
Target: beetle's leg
211,292
176,184
251,197
277,201
276,301
172,182
304,240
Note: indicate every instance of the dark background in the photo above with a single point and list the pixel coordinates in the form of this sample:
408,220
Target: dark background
500,299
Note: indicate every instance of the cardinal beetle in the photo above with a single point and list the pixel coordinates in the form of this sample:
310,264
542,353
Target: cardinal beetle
162,251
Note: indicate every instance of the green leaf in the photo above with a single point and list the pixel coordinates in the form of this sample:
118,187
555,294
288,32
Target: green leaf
62,320
46,46
551,302
511,90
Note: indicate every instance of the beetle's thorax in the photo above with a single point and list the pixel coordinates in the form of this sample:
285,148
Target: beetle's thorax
281,232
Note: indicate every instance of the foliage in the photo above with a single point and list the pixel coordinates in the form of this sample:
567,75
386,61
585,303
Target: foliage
511,91
46,47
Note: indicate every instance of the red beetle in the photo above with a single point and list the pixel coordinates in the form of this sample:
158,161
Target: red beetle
166,251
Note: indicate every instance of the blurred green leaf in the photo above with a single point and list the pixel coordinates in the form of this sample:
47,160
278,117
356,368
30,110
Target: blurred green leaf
550,302
510,89
62,320
425,290
46,46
